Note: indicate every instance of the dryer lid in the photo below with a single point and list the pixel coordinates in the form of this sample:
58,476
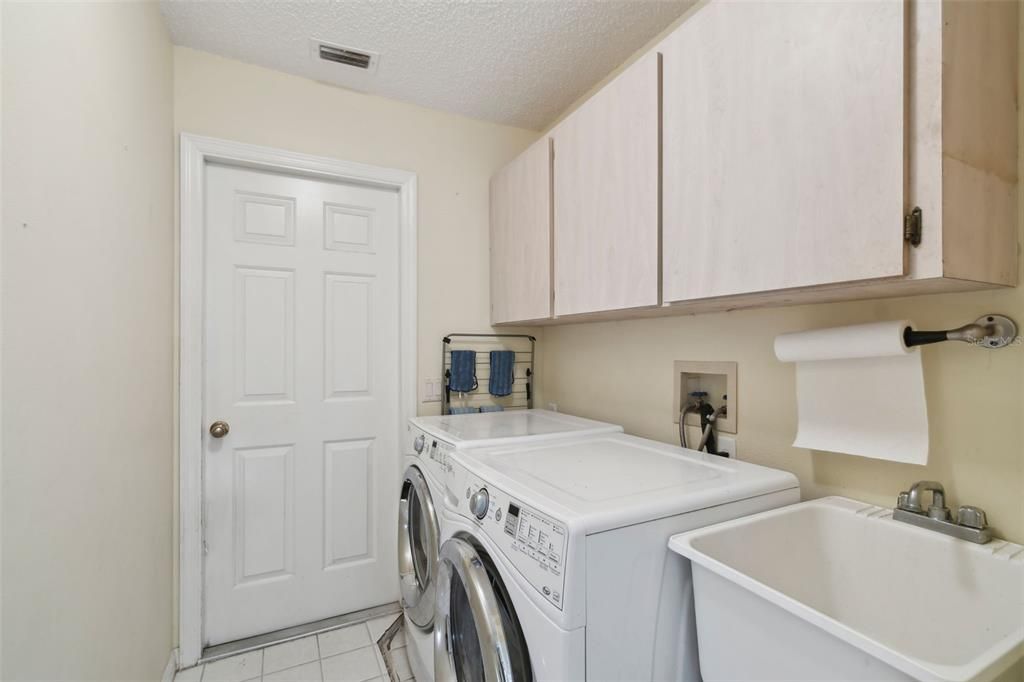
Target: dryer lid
499,428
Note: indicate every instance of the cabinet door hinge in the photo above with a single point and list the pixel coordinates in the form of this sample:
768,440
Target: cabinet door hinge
912,227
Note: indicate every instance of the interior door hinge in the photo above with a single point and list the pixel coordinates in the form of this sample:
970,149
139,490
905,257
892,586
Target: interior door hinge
912,226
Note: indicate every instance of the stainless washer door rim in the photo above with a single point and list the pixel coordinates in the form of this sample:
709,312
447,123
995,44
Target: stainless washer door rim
417,594
460,559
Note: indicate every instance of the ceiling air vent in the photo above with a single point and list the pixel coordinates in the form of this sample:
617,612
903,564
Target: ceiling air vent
360,60
364,60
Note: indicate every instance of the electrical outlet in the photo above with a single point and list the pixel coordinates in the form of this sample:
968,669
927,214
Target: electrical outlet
553,407
726,444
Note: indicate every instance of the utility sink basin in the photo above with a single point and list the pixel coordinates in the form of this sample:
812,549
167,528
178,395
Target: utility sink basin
835,589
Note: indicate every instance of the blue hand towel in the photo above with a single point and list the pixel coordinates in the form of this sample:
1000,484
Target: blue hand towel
461,410
463,371
492,408
503,364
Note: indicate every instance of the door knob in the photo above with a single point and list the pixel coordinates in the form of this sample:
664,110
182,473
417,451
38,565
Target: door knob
219,429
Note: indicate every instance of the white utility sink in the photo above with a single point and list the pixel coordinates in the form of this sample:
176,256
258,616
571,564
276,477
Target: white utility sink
835,589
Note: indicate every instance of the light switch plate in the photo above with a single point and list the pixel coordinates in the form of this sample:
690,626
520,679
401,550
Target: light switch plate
432,390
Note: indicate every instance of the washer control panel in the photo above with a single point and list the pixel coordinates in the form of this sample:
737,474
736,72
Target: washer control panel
480,503
535,535
534,543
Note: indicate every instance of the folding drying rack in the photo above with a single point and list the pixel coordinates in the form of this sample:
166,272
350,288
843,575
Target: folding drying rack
523,345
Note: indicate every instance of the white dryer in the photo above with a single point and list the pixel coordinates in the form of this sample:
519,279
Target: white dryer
419,535
429,441
555,563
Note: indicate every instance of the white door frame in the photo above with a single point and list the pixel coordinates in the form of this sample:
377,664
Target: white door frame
196,152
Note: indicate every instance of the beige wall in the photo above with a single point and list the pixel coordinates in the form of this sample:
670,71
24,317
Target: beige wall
88,340
622,372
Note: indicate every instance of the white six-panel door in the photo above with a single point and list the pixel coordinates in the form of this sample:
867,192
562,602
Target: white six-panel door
302,363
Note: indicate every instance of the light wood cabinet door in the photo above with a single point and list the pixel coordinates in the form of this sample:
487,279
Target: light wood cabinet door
521,237
606,197
783,130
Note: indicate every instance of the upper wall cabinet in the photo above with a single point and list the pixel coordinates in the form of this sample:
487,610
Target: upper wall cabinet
521,237
809,152
606,197
784,147
797,136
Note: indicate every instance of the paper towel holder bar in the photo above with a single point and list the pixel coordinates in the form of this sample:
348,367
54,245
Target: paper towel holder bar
990,331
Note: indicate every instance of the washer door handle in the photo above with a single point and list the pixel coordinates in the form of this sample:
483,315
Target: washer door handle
459,561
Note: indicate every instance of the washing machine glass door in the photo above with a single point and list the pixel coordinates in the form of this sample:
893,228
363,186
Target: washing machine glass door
477,636
418,537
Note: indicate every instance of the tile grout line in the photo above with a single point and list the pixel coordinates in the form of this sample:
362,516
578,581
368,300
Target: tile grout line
384,647
299,632
384,668
319,657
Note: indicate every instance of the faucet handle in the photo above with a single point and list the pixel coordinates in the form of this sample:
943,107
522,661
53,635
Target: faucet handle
903,501
971,517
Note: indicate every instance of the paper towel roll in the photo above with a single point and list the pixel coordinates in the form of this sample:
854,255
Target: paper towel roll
860,391
842,343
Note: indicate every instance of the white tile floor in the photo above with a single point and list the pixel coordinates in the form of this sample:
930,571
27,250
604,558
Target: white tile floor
348,654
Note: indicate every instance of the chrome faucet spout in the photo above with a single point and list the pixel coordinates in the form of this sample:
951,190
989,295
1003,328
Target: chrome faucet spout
912,502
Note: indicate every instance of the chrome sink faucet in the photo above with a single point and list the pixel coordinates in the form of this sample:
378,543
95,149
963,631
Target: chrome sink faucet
970,524
912,501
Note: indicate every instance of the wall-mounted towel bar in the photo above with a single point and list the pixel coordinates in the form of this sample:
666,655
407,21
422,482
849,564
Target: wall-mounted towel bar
988,331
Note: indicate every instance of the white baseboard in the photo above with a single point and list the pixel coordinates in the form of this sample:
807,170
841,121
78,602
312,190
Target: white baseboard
171,668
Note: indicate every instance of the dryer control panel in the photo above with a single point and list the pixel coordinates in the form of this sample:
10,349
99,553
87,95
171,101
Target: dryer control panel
534,542
432,452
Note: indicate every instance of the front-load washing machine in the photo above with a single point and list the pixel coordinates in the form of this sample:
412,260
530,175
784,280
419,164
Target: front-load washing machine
555,565
429,442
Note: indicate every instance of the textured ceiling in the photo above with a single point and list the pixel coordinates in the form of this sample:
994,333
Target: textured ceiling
517,62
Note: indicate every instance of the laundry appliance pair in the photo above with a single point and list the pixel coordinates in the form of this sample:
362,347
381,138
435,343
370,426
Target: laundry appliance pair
551,559
430,442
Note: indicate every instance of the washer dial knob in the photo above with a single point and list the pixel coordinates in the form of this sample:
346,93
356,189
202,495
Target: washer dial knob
419,443
479,502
